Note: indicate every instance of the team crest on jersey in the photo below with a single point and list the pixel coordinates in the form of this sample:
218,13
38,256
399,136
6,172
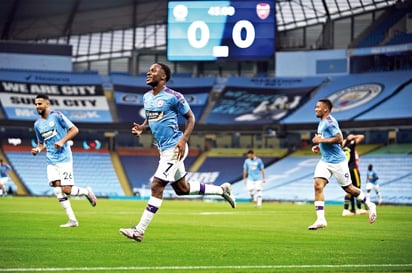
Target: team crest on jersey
160,103
354,96
51,123
263,10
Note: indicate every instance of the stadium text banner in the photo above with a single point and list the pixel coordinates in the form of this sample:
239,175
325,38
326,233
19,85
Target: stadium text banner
80,103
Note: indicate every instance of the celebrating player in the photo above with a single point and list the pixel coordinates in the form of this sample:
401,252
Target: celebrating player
162,106
53,131
333,162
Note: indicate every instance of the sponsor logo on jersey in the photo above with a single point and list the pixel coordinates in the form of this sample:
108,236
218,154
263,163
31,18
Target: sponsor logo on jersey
49,134
154,115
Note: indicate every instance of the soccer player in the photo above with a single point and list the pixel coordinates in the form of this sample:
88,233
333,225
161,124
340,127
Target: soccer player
53,131
162,106
349,147
372,183
4,177
254,176
333,161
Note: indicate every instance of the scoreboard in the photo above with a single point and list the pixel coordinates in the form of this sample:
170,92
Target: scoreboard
218,30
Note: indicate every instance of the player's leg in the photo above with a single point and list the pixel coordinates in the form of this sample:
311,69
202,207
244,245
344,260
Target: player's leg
155,201
341,172
259,194
174,170
321,176
68,186
362,198
369,187
348,199
356,181
54,175
3,181
251,189
378,193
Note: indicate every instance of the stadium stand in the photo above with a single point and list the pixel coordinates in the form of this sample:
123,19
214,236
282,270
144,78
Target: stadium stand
291,178
93,169
378,33
395,107
374,89
260,100
229,162
400,38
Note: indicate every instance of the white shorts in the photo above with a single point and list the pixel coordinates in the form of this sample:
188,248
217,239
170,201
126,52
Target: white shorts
62,172
339,170
170,169
254,185
4,180
371,186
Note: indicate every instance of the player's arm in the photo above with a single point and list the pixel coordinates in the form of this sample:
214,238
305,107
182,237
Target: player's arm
190,125
263,175
244,175
138,129
71,133
336,139
358,138
38,149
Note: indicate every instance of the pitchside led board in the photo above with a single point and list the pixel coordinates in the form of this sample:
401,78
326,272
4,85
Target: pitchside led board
220,30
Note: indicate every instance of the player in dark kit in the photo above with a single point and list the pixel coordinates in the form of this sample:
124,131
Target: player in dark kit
349,147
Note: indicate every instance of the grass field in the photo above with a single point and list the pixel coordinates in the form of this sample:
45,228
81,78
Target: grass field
196,236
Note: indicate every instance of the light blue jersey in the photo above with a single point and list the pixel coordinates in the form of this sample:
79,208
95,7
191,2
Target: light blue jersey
253,167
331,153
51,130
162,113
372,177
4,170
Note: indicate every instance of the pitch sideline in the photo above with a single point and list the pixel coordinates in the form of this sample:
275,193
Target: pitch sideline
126,268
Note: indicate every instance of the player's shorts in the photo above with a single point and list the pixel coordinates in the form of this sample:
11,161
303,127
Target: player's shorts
4,180
62,172
170,169
254,185
371,186
339,170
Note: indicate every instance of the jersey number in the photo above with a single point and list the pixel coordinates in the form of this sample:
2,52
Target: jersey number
168,168
67,176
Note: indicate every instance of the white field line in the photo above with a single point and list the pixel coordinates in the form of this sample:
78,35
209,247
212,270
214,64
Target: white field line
171,268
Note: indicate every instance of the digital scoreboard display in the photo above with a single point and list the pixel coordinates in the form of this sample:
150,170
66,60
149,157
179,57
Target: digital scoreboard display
219,30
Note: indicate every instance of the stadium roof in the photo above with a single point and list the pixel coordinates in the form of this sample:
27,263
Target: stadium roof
32,20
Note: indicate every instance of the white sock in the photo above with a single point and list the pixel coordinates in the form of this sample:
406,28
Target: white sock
259,199
68,208
1,191
197,188
152,207
320,210
77,191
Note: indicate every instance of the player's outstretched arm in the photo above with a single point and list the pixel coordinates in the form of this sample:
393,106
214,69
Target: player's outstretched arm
138,129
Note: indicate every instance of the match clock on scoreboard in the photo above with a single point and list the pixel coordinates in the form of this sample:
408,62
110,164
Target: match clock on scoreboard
215,30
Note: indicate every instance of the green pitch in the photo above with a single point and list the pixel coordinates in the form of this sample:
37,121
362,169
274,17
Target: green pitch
197,236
